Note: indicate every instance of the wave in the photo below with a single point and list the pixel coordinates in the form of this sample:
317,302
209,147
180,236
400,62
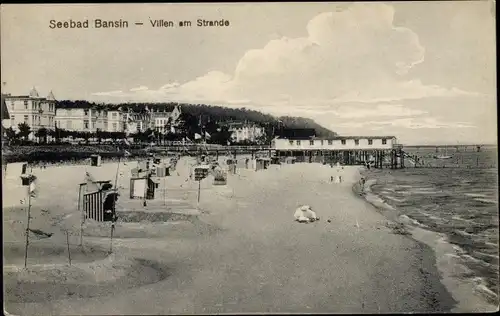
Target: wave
390,197
479,265
489,201
479,195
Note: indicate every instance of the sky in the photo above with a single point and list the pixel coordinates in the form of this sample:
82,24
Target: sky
422,71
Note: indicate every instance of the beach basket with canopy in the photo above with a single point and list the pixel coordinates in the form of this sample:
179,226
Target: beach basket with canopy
262,163
220,177
95,160
275,161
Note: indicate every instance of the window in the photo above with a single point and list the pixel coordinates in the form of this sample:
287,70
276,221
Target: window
384,141
25,105
12,105
86,112
311,142
330,142
114,126
291,142
33,105
298,143
322,142
12,120
69,125
343,142
356,142
26,119
86,124
370,142
113,115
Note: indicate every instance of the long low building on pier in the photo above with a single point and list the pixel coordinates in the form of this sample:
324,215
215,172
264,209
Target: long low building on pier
337,143
344,149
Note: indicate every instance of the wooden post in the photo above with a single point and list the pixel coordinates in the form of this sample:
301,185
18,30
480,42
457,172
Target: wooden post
402,158
83,215
199,189
111,237
164,191
67,243
28,228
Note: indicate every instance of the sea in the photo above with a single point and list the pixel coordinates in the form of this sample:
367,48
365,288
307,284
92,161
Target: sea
457,197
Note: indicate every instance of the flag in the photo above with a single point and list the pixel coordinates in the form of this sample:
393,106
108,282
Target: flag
207,135
197,136
91,184
33,188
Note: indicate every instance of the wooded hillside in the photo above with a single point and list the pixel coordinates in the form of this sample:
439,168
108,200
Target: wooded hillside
210,113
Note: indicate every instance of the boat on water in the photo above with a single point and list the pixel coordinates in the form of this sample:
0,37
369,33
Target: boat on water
443,157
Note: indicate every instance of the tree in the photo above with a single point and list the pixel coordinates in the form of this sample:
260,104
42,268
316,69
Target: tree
24,130
98,134
221,136
189,125
41,134
86,136
10,134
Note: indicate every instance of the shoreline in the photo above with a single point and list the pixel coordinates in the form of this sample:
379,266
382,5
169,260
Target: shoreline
466,293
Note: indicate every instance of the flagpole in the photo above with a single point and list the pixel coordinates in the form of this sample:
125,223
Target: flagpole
27,227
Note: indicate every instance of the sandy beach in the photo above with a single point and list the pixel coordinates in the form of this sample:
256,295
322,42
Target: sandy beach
241,252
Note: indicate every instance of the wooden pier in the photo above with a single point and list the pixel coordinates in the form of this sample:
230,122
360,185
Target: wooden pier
396,157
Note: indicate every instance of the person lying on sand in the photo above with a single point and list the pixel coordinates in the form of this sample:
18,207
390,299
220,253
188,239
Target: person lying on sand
305,214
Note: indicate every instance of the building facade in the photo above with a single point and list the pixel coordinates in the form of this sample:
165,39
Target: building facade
117,121
82,119
137,122
37,112
164,122
243,131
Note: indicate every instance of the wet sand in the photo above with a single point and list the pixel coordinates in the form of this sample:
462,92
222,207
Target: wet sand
246,254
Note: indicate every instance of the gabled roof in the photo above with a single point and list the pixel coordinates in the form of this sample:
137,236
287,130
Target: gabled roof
51,97
5,110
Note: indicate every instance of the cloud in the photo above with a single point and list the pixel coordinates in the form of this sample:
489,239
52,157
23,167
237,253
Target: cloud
353,55
381,110
117,93
352,64
408,123
141,88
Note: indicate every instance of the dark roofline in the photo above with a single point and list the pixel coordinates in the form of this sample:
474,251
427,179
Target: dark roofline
23,97
337,137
